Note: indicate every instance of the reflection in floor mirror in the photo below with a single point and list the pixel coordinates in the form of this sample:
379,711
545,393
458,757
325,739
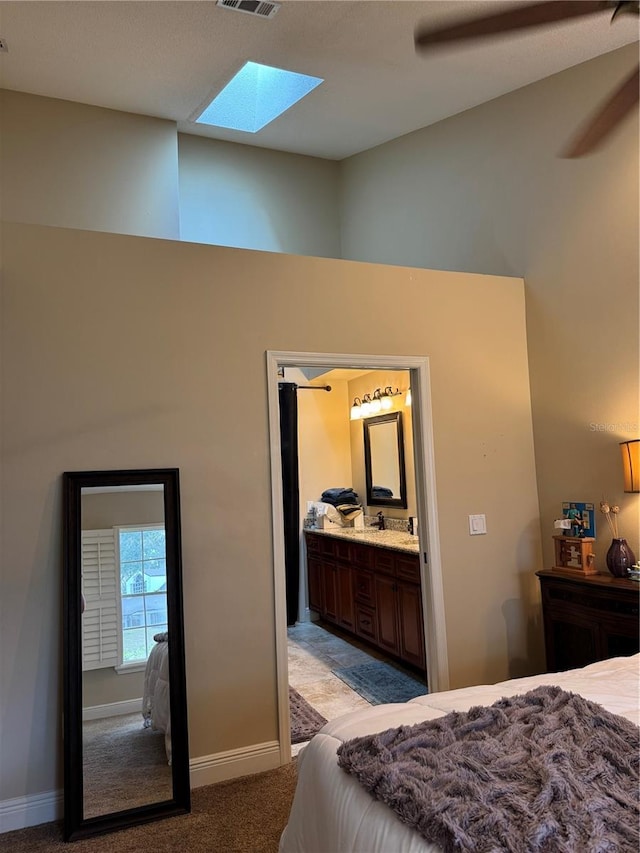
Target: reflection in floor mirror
125,697
108,786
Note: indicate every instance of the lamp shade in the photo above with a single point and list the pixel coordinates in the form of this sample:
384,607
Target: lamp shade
631,464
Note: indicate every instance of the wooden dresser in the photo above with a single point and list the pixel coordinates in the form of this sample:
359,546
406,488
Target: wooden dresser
587,619
369,591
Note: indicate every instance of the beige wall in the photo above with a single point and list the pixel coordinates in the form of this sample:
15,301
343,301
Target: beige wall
484,191
254,198
183,311
104,686
109,509
78,166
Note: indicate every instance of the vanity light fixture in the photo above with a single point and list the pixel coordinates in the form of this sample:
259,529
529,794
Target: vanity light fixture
367,406
407,399
387,394
373,404
631,464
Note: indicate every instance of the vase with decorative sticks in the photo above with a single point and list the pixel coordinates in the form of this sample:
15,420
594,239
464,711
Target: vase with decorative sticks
620,558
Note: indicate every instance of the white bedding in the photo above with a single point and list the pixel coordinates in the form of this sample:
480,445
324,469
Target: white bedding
155,699
332,813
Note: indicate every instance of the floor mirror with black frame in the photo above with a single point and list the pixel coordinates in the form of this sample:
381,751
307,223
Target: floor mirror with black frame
126,752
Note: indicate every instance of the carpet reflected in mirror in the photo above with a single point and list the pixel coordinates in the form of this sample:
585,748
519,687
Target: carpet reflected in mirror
110,783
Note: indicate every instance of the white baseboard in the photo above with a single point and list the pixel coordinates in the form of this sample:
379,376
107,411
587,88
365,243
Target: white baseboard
208,769
21,812
113,709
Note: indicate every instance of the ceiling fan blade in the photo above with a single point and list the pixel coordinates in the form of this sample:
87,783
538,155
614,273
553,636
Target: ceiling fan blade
607,117
522,17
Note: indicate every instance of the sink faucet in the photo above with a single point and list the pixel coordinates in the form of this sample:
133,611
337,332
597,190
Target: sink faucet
380,522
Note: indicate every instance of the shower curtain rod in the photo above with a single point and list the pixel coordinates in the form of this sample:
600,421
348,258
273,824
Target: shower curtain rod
315,387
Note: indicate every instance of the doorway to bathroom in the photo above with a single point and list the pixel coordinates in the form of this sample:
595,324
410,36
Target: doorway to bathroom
314,655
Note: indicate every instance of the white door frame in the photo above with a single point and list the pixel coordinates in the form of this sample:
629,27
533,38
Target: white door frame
430,570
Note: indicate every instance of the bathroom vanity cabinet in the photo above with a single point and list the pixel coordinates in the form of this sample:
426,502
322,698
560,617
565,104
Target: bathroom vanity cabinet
370,591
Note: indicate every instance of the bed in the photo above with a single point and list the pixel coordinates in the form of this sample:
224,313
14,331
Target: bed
155,698
333,813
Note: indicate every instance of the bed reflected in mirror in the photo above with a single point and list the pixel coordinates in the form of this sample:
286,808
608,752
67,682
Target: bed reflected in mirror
125,725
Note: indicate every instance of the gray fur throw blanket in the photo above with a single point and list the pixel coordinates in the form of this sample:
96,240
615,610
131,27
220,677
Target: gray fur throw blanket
543,772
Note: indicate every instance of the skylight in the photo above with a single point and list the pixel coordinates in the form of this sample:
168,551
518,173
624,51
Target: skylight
256,96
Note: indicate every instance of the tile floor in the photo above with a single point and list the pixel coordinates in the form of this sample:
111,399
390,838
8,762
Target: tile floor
313,653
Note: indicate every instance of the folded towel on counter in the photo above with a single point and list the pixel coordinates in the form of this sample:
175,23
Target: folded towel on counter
349,511
338,496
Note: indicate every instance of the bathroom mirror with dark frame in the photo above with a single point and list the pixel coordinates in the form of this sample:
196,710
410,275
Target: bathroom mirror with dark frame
384,461
126,751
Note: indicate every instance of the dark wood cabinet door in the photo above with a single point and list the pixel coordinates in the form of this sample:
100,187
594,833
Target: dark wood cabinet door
330,591
387,615
410,623
408,568
363,587
366,626
570,642
616,645
314,579
618,638
345,597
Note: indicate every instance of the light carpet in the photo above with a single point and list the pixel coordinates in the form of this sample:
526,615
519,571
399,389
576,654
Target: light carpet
246,815
124,765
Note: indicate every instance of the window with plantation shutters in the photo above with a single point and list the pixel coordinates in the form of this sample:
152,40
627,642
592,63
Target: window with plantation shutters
142,571
100,589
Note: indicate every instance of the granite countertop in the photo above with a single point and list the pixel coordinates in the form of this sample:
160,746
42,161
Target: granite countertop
394,539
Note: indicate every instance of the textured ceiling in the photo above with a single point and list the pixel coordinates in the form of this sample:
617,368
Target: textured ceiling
166,59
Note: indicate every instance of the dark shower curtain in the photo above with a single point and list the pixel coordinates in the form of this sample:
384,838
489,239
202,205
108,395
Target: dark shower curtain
290,493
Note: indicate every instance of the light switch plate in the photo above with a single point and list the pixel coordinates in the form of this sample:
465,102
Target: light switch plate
477,524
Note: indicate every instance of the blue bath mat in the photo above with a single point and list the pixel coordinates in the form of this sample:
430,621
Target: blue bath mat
380,683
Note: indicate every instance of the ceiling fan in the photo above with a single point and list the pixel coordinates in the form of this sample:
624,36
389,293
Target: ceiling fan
609,114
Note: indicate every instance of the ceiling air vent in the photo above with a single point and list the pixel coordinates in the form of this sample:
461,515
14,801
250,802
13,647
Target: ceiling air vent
251,7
